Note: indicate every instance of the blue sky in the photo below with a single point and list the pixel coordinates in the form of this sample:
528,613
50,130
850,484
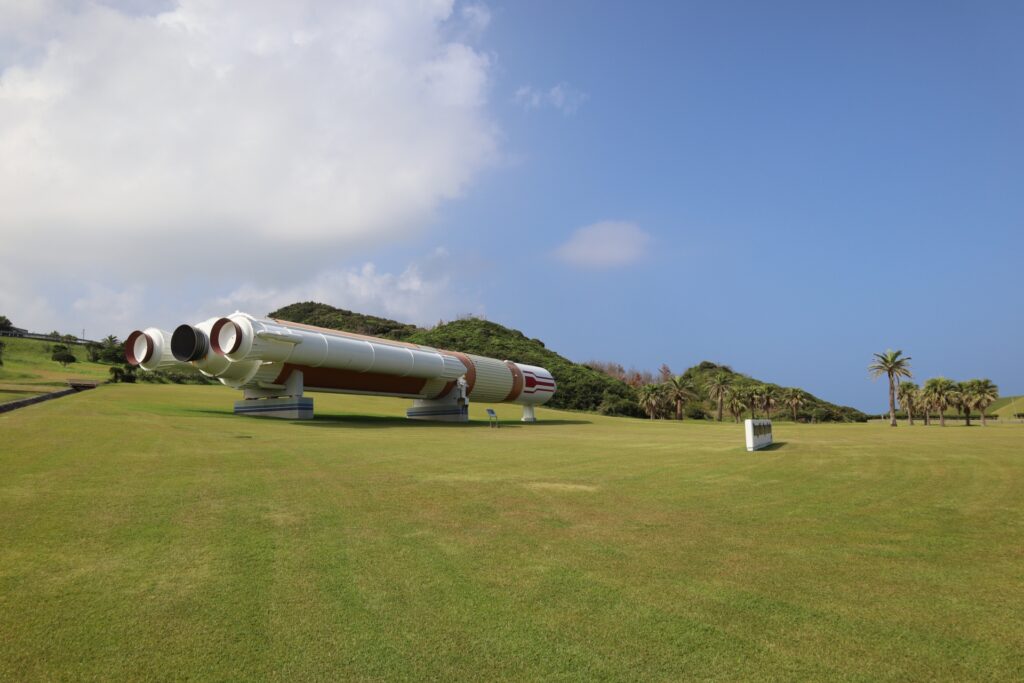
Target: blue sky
781,187
819,180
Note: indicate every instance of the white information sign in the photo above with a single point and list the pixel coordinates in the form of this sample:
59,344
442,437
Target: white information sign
759,434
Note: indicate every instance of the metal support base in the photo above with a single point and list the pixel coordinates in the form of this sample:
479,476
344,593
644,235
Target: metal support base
287,407
452,408
285,402
439,411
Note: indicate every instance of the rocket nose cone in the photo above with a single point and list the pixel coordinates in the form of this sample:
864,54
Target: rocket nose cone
188,343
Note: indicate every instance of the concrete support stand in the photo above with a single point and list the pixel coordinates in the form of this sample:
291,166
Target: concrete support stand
452,408
287,407
286,402
528,414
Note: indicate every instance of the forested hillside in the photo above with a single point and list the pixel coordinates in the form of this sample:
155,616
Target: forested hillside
322,315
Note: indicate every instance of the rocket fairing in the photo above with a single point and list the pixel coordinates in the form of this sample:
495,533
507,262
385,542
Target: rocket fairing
269,358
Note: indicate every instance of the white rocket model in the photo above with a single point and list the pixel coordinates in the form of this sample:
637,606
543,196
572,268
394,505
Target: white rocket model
274,361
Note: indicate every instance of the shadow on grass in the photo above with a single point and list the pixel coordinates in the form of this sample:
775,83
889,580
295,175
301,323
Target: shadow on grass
383,421
772,447
397,422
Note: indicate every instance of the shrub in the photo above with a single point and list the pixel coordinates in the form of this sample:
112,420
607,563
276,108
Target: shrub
64,357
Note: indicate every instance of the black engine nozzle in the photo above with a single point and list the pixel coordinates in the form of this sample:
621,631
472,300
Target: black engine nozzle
188,343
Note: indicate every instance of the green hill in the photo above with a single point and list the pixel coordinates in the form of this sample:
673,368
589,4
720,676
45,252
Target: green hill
322,315
814,409
579,387
1006,407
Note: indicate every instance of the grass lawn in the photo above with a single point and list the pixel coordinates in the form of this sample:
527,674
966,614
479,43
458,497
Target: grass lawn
147,533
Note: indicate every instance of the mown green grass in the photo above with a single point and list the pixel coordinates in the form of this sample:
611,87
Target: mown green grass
147,533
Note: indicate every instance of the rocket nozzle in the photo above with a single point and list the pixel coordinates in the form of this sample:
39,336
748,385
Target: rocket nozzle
189,343
225,336
138,348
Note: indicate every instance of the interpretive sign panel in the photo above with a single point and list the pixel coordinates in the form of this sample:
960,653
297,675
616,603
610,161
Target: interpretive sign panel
759,434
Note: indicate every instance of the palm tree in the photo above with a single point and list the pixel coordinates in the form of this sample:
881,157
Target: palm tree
737,403
963,399
756,396
985,394
924,402
907,394
940,392
769,398
718,389
794,398
892,364
679,390
650,399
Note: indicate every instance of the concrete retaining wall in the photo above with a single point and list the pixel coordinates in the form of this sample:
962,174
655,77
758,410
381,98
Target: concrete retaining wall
21,403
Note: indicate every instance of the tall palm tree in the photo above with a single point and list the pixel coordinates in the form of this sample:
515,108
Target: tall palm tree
756,399
737,403
746,395
894,365
940,392
924,403
678,390
769,399
907,394
717,387
963,399
985,394
650,399
794,398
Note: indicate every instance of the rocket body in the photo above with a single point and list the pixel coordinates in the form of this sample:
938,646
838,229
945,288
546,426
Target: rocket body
258,355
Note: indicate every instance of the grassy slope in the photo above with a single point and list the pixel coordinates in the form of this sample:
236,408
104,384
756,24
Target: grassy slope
28,370
148,533
1006,406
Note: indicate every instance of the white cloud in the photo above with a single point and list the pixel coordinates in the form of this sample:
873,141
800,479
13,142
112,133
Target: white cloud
266,136
24,306
109,309
608,244
422,293
476,17
561,97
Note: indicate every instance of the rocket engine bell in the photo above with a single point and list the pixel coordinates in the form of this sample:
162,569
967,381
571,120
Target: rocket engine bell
274,361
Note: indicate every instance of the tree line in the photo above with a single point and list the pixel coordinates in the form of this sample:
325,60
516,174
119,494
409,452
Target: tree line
666,399
712,390
938,395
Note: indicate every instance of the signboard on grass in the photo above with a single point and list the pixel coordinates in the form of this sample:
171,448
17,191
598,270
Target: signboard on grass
759,434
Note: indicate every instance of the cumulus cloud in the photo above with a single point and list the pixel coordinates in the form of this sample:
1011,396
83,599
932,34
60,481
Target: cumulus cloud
561,97
608,244
263,135
422,293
